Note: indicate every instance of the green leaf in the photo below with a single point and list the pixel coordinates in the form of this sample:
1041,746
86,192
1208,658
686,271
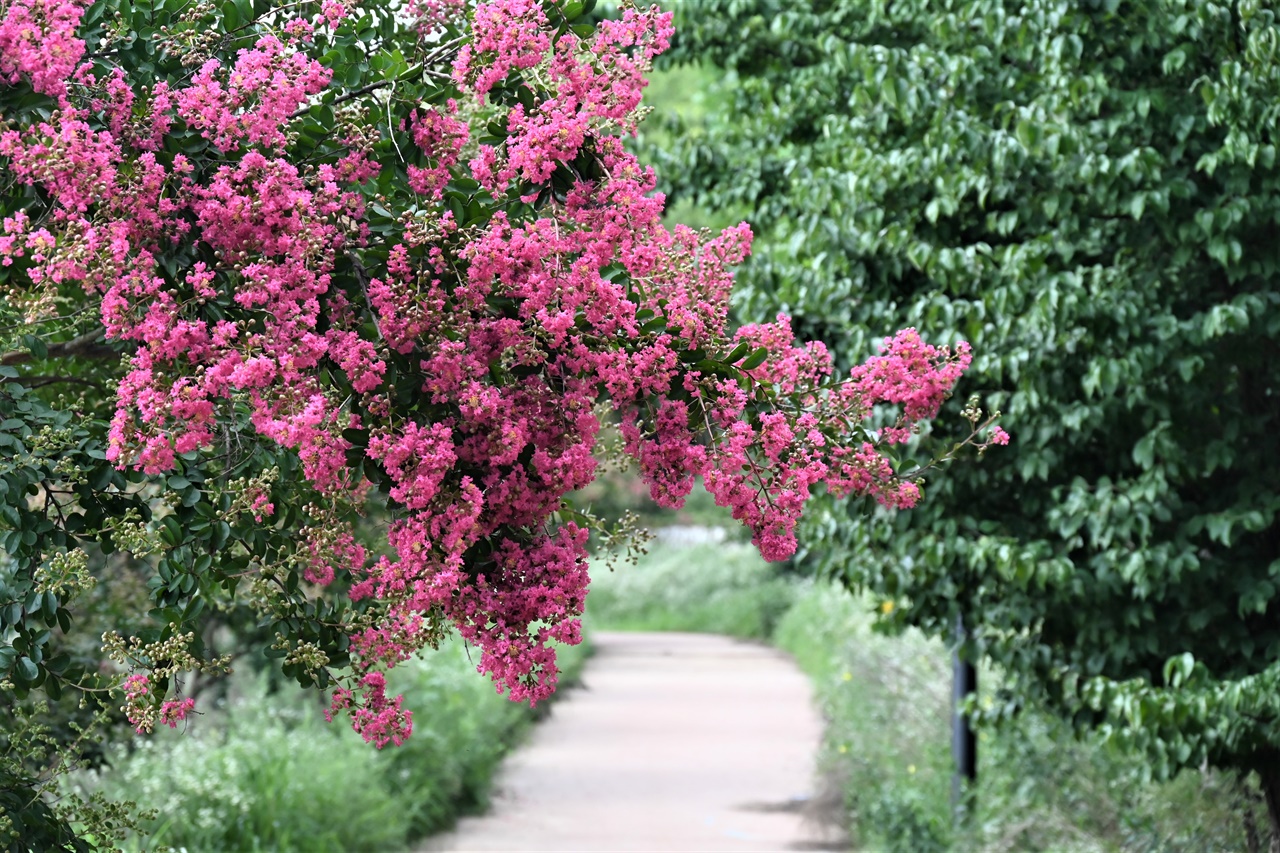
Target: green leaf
737,353
26,670
231,17
36,346
754,360
170,531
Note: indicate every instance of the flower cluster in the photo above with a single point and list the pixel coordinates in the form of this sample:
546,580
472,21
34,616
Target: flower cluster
38,44
175,711
137,705
506,35
141,711
440,136
262,90
457,352
378,719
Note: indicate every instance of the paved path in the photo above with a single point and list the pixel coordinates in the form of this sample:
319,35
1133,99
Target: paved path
674,742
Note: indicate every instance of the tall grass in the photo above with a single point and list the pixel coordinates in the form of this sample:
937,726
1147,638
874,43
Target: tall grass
462,730
886,700
266,772
262,778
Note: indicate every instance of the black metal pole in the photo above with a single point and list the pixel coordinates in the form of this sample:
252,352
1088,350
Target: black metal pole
964,744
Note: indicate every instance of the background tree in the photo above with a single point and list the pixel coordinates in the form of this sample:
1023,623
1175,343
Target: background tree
1088,192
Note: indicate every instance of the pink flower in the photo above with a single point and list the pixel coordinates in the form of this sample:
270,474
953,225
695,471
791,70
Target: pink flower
268,83
507,34
176,710
136,685
38,41
333,12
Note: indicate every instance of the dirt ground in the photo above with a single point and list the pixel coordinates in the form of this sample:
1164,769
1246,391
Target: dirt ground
674,742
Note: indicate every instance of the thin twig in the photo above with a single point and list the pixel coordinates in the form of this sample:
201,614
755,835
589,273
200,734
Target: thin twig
41,381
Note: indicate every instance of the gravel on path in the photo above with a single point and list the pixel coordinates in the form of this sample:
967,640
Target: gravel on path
673,742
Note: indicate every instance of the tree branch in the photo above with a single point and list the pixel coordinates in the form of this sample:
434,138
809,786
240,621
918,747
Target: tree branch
87,345
41,381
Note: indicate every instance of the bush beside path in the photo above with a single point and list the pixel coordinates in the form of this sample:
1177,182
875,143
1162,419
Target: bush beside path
676,742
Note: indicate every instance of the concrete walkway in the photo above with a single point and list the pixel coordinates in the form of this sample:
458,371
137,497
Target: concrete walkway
674,742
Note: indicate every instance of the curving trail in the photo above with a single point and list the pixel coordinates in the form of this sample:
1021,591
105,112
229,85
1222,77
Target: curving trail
674,742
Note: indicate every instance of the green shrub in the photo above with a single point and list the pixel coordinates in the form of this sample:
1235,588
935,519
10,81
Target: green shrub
1088,193
461,730
887,746
719,588
1041,789
886,701
261,777
264,773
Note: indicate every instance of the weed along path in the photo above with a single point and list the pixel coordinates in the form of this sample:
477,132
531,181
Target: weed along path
674,742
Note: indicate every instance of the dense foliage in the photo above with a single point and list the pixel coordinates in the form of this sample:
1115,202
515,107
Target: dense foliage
1088,191
271,267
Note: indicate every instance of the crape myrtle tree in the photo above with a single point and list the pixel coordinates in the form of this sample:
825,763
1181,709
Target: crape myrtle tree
269,265
1089,191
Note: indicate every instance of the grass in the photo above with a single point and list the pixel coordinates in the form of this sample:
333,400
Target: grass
462,731
263,778
266,772
715,587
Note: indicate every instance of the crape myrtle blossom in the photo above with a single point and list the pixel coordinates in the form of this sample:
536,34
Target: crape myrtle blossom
38,44
456,354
